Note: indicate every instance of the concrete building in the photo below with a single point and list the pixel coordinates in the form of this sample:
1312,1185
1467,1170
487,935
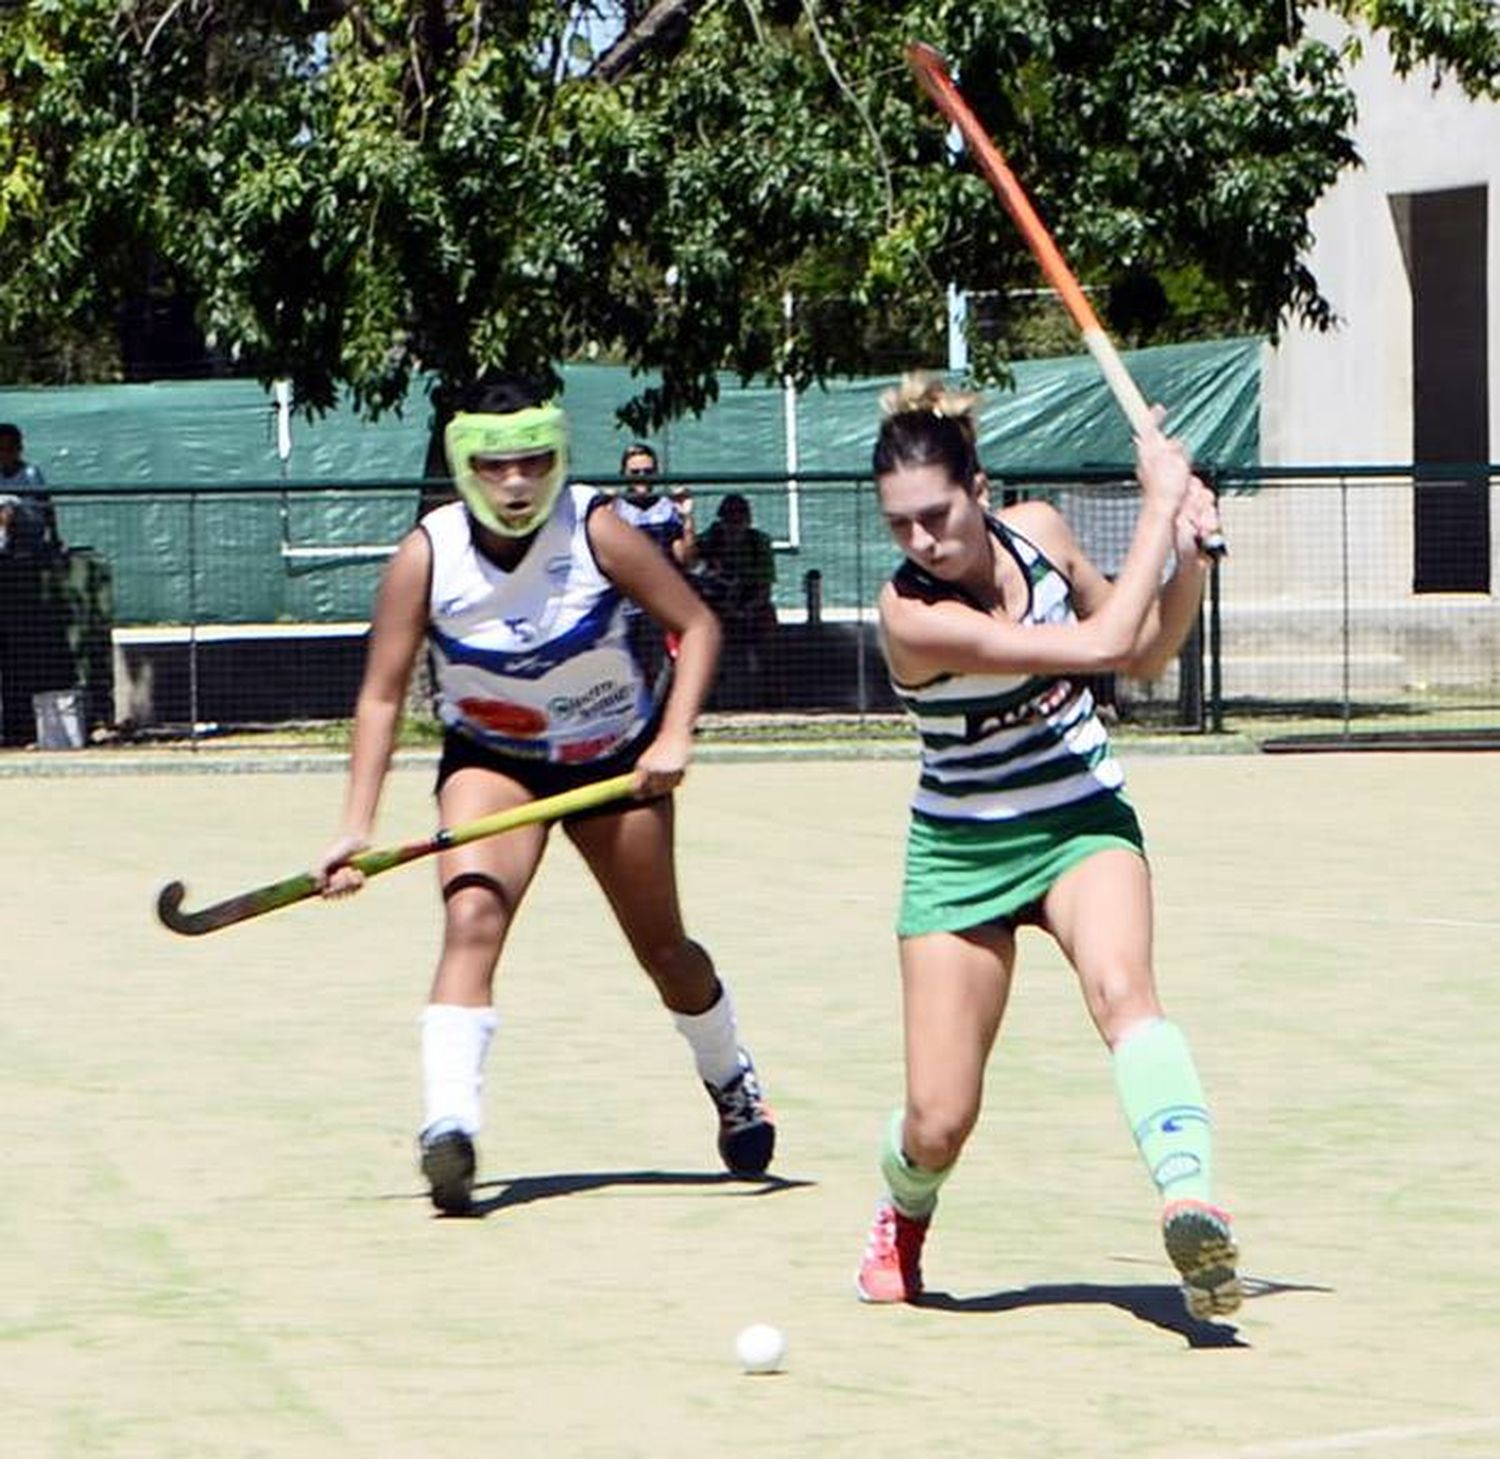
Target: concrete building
1396,583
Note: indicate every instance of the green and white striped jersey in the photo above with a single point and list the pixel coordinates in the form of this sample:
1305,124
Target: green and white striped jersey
998,746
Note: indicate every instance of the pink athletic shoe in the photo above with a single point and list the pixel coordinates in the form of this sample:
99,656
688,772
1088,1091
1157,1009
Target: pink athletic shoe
892,1267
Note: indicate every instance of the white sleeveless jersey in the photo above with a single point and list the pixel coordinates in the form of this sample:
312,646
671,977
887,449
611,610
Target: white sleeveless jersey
536,662
997,746
660,520
658,517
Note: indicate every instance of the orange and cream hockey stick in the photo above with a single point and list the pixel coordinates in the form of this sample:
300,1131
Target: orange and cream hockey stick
932,71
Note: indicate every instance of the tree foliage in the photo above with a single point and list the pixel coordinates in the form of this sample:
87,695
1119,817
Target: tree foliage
1456,38
351,192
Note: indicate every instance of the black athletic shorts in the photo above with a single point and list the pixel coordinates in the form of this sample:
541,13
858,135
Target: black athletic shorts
543,777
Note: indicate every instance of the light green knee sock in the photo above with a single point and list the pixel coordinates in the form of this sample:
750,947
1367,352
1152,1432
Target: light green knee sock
1163,1102
914,1191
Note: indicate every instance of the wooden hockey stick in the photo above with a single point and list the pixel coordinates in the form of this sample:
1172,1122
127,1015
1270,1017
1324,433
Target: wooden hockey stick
932,71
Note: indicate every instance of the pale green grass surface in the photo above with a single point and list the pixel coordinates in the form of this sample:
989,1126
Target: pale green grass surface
213,1241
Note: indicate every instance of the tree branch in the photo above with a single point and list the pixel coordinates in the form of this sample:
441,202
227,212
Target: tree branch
163,20
651,30
860,109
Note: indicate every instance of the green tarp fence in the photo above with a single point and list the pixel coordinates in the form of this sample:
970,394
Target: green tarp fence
118,458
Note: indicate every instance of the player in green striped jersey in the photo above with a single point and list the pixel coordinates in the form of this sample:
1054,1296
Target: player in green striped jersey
990,628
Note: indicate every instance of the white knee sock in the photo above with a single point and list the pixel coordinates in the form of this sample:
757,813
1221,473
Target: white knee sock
714,1038
455,1041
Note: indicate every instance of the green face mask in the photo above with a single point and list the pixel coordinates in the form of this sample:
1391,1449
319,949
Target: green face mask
531,432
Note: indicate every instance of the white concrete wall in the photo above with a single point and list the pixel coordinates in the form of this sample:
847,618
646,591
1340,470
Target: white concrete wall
1345,397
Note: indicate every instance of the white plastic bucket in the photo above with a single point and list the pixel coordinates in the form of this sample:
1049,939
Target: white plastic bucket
59,719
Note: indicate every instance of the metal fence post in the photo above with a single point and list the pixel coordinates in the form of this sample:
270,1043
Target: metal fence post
1215,652
862,691
192,566
1190,677
1344,590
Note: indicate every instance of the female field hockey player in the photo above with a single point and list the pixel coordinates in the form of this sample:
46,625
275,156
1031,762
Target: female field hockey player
989,627
518,590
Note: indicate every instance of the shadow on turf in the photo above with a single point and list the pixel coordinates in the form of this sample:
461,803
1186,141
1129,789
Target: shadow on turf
1160,1306
523,1189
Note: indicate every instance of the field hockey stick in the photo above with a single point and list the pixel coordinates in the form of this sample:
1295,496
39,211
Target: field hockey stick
304,885
932,71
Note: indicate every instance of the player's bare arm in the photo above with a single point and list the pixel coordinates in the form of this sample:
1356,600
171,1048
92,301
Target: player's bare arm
635,564
396,630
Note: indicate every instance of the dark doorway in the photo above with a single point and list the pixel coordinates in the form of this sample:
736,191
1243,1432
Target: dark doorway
1443,240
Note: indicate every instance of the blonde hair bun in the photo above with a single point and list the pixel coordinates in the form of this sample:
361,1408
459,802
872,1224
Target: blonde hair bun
920,390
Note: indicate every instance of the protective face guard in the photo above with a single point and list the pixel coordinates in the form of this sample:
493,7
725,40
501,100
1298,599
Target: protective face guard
530,432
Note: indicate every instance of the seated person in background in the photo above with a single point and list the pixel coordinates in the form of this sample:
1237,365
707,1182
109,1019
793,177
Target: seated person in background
28,521
739,566
739,569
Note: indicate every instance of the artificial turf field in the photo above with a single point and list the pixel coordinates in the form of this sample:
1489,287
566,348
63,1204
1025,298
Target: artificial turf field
213,1241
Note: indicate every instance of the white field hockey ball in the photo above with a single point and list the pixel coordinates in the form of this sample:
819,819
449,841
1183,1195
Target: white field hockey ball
760,1348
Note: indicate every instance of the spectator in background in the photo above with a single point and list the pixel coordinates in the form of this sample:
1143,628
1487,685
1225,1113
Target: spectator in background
739,570
739,567
28,520
668,521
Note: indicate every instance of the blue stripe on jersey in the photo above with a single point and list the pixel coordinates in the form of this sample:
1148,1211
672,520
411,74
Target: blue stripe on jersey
533,663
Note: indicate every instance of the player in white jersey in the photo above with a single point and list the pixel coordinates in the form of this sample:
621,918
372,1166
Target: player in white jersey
669,522
667,519
518,590
1020,816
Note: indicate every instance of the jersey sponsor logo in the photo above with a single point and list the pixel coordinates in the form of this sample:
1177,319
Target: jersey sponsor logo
598,699
1039,706
503,717
576,752
525,666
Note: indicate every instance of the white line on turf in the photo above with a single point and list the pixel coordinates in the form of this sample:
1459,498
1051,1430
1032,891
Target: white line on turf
1355,1441
1315,914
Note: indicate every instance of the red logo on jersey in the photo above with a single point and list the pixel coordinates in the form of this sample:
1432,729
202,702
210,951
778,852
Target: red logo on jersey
578,751
519,720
